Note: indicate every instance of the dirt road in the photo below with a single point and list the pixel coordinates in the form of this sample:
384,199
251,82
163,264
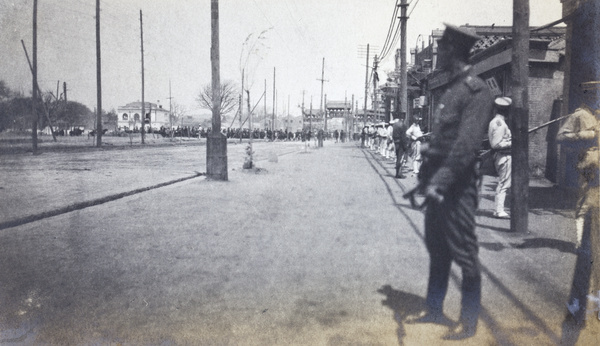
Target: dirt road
315,248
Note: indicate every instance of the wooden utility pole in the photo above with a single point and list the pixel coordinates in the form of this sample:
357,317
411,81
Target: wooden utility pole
65,91
273,121
324,98
303,92
34,125
520,117
352,115
321,106
375,101
242,105
170,111
288,111
366,89
216,144
310,116
250,164
38,92
99,79
265,105
403,70
143,101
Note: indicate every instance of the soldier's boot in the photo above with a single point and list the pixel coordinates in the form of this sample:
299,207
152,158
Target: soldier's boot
579,224
499,206
399,174
416,165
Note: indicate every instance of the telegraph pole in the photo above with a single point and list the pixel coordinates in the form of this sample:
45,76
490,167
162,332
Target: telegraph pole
242,104
403,71
216,145
310,116
273,115
98,79
303,92
170,111
375,103
34,125
265,105
321,106
143,120
520,117
366,89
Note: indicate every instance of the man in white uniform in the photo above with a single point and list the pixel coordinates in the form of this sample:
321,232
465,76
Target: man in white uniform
500,140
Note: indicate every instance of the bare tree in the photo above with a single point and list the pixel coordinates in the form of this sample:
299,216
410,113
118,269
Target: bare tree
177,112
229,99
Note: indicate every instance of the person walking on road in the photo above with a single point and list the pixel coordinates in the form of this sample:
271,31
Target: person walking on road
415,134
500,136
448,179
399,137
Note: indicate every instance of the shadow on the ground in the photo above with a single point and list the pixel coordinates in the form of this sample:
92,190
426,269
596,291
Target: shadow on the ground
548,243
533,243
403,305
489,227
551,198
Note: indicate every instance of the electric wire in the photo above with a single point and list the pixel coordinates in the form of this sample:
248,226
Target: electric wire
390,29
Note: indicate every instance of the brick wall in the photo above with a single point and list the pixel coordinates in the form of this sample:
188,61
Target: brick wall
545,86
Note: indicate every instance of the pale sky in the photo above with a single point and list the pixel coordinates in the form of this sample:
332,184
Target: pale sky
298,34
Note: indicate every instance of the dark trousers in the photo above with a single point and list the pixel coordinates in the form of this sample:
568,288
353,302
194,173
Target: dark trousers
399,149
450,236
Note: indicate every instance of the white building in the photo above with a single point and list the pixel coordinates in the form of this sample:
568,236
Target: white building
129,116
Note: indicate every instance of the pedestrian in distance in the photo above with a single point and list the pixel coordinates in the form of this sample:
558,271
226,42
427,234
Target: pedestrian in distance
500,137
448,179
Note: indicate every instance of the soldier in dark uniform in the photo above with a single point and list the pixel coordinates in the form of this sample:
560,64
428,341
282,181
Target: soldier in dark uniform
400,144
449,181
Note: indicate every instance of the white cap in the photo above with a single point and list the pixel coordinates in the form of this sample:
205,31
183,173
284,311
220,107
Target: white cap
503,101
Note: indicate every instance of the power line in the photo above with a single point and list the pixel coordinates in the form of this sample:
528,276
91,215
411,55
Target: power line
390,29
411,11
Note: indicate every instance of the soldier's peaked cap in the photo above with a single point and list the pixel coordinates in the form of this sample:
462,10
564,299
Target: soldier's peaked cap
459,37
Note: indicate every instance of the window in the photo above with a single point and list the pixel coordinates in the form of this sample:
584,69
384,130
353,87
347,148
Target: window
125,116
136,117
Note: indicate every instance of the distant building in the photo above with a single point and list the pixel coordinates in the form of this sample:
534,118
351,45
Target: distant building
129,116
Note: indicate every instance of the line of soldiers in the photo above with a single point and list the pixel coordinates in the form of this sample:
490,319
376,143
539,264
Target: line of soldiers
395,141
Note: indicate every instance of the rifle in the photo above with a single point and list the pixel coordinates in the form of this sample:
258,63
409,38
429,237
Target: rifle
419,189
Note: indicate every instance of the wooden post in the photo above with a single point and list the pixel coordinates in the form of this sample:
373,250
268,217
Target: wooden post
366,89
38,92
403,67
216,144
143,118
34,124
274,101
98,79
520,118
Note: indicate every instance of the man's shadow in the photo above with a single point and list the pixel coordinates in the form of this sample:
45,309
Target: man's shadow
403,305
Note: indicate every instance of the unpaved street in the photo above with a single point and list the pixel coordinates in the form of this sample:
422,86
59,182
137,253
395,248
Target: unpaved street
317,247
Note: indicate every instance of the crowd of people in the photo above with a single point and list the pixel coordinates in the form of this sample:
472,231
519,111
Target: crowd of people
396,142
